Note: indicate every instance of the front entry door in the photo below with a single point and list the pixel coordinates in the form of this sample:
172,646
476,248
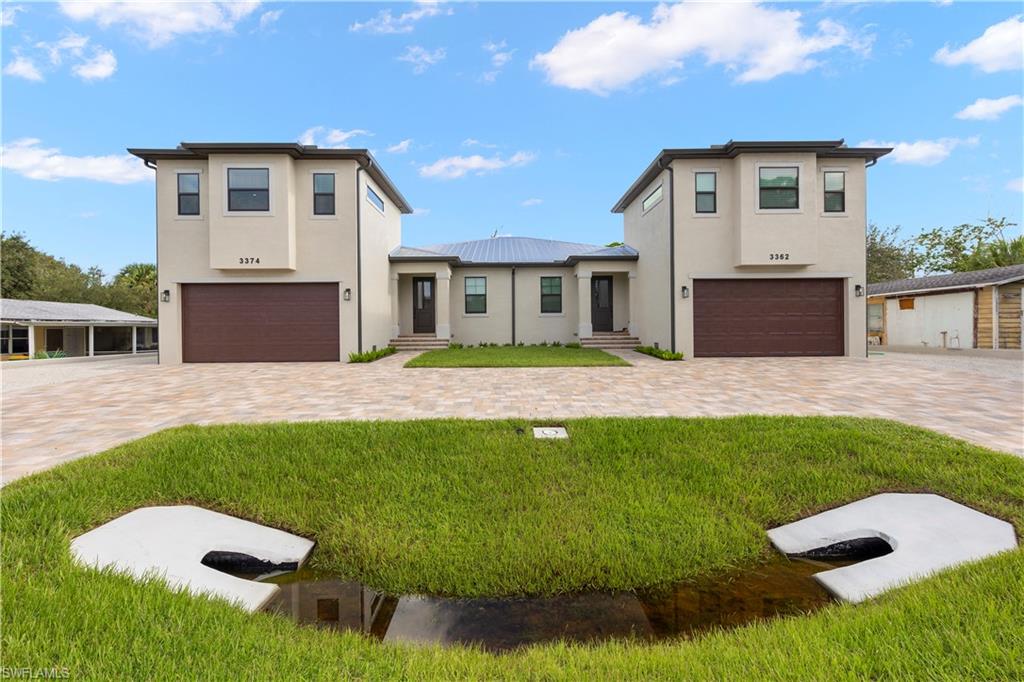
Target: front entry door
423,305
601,303
54,339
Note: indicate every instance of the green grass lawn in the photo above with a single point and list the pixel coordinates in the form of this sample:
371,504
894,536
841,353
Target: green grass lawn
517,356
474,508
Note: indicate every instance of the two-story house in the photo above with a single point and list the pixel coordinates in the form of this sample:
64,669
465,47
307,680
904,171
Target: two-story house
288,252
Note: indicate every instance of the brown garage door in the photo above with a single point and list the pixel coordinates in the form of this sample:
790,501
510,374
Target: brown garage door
259,322
753,317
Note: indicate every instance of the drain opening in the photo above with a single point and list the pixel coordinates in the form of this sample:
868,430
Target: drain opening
856,549
243,565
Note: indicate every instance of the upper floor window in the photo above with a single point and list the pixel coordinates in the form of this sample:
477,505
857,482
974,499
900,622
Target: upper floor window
779,187
323,193
551,294
707,192
374,199
652,199
835,192
248,189
188,193
476,295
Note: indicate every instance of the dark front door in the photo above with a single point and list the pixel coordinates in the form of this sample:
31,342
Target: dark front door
423,305
601,303
775,317
54,339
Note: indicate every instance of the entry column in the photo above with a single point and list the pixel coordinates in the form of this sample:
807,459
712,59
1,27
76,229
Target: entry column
443,302
586,328
393,290
633,326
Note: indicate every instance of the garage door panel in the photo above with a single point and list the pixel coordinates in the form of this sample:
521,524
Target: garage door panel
260,322
768,317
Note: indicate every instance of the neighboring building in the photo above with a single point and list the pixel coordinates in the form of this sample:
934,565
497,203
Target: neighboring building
752,248
949,311
76,329
288,252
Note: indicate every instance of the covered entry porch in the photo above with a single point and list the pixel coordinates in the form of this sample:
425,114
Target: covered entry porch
606,301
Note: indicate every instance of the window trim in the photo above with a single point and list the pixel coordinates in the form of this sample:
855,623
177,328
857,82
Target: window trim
799,165
644,208
177,195
900,301
7,334
313,172
466,295
561,293
696,211
269,213
369,191
834,169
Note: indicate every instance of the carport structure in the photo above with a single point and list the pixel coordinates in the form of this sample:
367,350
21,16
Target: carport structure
76,329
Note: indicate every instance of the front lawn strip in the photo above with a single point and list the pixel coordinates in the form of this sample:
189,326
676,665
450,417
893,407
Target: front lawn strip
517,356
477,508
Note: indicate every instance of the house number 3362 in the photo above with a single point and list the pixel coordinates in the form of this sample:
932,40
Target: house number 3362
778,256
249,260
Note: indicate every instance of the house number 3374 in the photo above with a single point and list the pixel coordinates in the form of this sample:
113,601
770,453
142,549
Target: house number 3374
249,260
778,256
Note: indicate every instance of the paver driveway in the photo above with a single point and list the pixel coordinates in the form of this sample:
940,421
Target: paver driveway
46,425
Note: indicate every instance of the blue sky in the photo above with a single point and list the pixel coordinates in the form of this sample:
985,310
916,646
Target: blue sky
530,119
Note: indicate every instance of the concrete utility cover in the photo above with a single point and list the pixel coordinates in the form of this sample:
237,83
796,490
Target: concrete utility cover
550,432
170,542
927,533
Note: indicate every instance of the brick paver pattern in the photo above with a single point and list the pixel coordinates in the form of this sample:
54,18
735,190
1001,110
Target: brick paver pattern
46,425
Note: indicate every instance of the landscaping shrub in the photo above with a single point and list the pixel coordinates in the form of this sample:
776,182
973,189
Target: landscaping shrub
659,353
371,355
574,345
49,354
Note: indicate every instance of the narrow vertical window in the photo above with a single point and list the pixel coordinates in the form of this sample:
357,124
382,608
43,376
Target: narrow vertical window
652,199
835,192
551,294
188,193
323,193
707,191
374,199
476,295
248,189
779,188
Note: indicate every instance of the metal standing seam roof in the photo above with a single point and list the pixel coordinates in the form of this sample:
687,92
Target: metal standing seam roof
513,251
953,280
17,310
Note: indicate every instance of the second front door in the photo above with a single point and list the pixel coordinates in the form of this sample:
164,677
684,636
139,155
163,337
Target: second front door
423,305
601,303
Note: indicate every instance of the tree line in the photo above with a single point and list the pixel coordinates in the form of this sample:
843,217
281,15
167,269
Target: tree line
28,273
960,248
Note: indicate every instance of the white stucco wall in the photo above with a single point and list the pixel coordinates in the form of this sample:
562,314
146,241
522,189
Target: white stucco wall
952,313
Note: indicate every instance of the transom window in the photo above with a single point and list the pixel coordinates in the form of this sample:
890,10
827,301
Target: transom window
835,192
476,295
13,339
652,199
779,187
323,193
248,189
707,190
551,294
374,199
188,193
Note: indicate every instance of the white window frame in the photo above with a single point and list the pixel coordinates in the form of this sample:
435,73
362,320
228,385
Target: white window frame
845,170
202,204
718,193
661,197
801,196
312,188
270,191
366,195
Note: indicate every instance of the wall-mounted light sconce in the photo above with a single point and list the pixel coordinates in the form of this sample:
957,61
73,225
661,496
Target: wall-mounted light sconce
858,290
685,291
165,295
347,295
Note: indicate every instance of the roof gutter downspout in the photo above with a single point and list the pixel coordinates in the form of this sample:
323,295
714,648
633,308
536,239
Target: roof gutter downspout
359,258
671,250
513,305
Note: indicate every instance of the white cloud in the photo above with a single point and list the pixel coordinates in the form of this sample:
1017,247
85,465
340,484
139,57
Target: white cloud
8,13
999,48
421,58
922,152
473,142
102,65
500,56
331,137
23,67
1016,185
989,109
159,23
400,148
532,202
421,211
70,43
27,157
453,167
755,42
268,19
387,23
